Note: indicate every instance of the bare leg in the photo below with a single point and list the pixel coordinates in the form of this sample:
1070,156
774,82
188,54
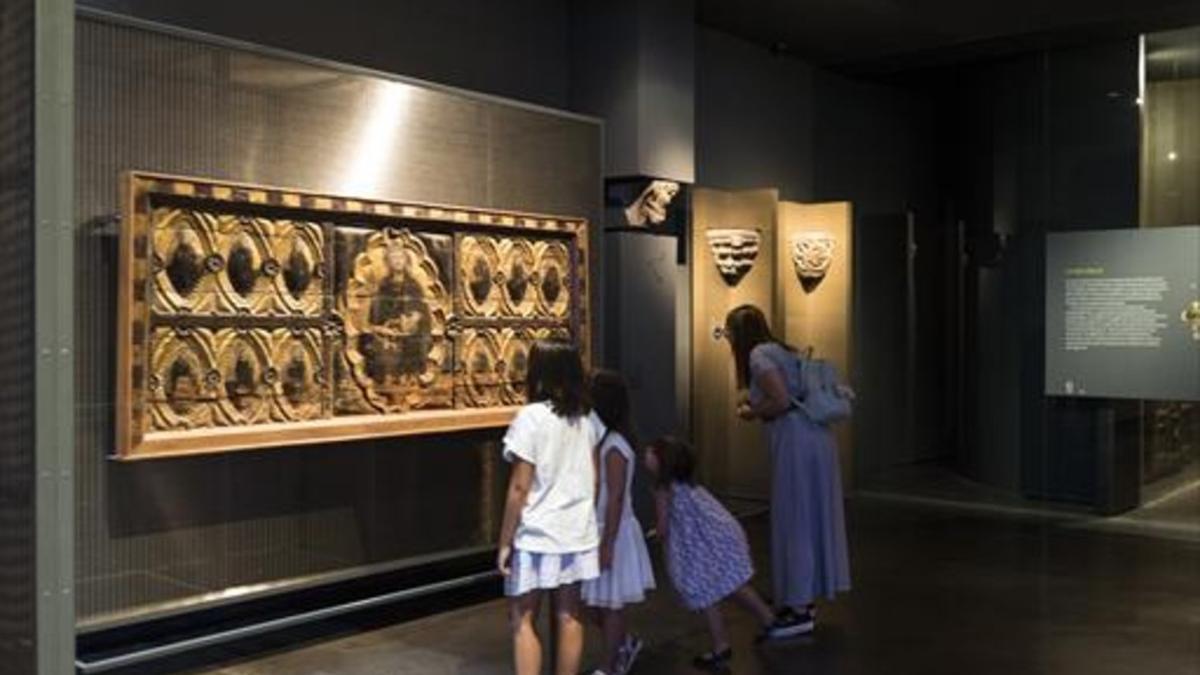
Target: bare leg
716,628
527,648
570,630
614,637
750,599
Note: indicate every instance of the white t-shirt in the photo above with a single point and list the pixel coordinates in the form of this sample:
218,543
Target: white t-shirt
560,514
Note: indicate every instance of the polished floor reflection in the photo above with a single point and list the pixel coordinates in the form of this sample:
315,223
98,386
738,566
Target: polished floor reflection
937,591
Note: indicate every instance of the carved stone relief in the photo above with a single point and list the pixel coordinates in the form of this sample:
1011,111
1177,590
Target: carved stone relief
1191,316
650,207
812,256
734,252
250,318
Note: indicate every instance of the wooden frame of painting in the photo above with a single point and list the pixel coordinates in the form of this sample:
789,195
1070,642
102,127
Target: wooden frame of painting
254,317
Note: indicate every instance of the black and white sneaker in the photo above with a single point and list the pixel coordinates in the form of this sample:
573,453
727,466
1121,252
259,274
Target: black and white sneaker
788,624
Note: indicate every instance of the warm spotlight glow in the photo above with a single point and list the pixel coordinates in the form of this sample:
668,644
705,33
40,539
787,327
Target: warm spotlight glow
378,138
1172,156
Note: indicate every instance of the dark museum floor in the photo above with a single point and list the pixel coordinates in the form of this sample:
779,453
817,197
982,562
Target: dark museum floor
937,591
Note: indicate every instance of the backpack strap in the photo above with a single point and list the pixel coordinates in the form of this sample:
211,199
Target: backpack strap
600,443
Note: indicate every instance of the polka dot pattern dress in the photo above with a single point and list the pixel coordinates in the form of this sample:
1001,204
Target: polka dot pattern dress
708,557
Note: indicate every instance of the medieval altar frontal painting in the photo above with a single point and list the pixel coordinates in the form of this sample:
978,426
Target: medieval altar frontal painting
254,317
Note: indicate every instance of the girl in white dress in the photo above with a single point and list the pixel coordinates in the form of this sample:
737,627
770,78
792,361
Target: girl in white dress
625,570
549,538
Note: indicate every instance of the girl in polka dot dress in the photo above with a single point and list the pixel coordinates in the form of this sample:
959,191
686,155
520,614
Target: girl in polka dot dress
708,557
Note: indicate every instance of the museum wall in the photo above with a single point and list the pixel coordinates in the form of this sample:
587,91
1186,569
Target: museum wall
875,147
1046,141
754,117
516,49
18,629
156,533
767,120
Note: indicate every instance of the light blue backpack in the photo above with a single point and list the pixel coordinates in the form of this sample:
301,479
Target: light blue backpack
825,399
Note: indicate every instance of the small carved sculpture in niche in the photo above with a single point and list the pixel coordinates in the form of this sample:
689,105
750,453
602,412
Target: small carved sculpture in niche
297,378
236,314
734,252
518,260
812,256
1191,316
182,392
654,205
651,205
551,279
243,358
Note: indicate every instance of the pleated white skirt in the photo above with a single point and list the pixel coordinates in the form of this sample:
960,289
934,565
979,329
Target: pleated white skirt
540,571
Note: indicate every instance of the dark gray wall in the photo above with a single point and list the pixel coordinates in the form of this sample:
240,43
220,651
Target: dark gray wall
604,78
754,118
18,629
875,146
632,64
1045,142
515,48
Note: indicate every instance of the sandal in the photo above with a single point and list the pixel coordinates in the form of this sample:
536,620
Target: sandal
714,660
629,653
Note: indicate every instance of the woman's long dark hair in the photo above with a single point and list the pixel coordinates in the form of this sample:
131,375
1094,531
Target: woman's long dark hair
676,462
746,327
556,375
610,400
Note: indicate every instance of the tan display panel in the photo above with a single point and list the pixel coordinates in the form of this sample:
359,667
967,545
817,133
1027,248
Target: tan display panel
252,317
814,305
731,450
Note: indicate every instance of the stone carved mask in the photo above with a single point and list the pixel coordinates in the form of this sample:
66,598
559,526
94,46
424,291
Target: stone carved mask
734,252
812,256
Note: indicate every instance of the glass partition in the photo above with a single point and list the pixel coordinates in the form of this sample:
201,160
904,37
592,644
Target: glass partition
1170,187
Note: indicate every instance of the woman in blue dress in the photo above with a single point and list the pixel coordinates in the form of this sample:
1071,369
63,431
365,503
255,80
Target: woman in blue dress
809,558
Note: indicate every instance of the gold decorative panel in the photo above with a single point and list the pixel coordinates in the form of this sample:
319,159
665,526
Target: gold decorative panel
254,317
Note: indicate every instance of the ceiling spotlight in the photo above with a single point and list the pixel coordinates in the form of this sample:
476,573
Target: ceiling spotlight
1172,156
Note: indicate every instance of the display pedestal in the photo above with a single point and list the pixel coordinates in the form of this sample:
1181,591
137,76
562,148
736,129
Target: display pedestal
1091,456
